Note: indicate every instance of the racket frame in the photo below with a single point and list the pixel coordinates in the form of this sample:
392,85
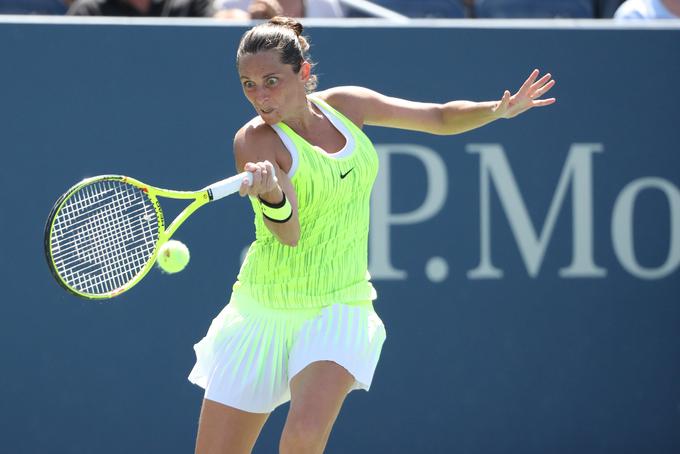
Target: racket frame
215,191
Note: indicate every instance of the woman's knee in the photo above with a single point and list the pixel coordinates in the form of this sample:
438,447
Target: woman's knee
226,429
304,434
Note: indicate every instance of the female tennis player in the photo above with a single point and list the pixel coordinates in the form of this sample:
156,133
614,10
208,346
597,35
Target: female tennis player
300,324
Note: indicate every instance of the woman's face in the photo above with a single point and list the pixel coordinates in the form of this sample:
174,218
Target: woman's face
272,87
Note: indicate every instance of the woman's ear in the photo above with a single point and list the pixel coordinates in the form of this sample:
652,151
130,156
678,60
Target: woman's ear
305,70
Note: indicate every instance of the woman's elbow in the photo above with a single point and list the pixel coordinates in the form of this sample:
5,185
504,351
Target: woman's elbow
291,242
290,238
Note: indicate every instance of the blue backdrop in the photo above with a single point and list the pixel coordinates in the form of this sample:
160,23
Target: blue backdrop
527,271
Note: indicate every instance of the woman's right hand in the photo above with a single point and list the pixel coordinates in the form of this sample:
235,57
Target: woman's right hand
265,183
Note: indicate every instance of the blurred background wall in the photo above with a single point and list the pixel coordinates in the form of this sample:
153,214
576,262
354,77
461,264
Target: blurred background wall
527,271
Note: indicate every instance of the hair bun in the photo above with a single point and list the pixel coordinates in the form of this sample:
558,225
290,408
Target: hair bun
287,22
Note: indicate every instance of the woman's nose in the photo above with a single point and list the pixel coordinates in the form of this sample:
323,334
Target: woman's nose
261,94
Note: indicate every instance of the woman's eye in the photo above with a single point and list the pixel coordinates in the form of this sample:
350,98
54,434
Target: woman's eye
272,81
248,84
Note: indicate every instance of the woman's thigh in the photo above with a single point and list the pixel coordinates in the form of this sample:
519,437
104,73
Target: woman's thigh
227,430
317,394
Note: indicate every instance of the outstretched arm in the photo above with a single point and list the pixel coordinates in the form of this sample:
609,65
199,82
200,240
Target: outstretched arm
450,118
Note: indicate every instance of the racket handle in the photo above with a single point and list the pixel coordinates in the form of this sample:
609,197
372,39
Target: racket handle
228,186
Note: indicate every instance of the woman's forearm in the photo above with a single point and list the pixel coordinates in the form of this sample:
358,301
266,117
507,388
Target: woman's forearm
287,232
462,116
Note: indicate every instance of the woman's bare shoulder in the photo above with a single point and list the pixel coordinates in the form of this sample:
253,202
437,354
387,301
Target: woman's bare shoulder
256,141
347,100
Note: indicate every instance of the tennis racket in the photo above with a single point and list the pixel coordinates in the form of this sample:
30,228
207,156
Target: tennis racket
102,236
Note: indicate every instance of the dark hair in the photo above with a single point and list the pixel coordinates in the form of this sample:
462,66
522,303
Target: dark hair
284,35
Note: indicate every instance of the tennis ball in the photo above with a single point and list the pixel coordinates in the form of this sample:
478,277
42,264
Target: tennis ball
173,256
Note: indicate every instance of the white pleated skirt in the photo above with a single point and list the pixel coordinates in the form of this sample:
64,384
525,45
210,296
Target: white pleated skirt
251,353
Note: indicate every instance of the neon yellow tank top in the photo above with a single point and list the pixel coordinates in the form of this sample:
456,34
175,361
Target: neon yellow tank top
330,263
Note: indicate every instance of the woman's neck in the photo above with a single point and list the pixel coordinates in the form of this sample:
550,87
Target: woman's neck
305,119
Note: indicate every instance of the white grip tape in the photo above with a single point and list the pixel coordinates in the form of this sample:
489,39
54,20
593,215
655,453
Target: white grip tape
229,185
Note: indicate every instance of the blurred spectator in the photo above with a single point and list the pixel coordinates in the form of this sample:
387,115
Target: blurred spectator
534,9
266,9
256,9
518,9
649,9
604,9
509,9
436,9
142,8
32,7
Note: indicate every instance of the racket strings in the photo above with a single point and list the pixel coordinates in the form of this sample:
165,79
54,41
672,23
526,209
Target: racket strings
102,267
103,236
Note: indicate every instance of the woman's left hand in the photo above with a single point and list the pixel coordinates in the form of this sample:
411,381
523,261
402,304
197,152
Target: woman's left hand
527,96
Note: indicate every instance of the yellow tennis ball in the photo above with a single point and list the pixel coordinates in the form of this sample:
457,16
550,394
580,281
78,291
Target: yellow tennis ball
173,256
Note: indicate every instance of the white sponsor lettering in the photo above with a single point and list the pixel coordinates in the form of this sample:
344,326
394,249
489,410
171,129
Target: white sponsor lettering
382,219
494,167
622,228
